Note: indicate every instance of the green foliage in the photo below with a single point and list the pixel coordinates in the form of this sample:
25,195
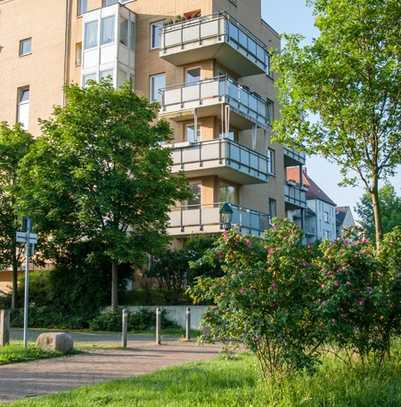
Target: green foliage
17,353
222,383
340,96
141,320
14,145
287,302
390,204
266,298
355,303
72,293
155,296
175,270
99,173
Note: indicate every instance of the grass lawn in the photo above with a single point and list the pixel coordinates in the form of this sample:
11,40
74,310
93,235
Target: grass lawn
234,383
17,353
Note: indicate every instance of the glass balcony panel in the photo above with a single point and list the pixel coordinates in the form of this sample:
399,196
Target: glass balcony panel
211,31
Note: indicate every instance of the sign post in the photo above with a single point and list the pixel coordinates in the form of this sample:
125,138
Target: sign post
30,239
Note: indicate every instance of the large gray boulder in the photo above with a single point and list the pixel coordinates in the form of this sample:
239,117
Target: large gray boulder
55,341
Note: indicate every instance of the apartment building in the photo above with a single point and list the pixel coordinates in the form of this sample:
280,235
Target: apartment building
319,218
207,62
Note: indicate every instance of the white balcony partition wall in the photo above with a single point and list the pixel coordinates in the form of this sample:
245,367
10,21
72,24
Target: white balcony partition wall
222,157
248,107
207,219
109,44
218,36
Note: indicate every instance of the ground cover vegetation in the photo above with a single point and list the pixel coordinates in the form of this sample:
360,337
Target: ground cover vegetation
233,383
17,353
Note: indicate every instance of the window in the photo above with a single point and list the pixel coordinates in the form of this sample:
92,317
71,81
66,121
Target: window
107,33
132,35
326,216
271,155
25,47
23,95
190,135
157,82
156,34
228,193
124,32
192,75
106,74
78,54
272,208
91,34
195,201
87,78
82,6
107,3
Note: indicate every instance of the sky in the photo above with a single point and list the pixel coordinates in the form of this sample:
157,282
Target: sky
293,16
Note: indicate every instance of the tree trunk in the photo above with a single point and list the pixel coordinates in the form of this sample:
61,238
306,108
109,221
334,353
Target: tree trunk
14,292
377,215
114,286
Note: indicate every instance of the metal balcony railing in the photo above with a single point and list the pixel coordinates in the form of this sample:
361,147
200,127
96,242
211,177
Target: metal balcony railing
247,221
296,156
216,28
218,90
295,194
221,152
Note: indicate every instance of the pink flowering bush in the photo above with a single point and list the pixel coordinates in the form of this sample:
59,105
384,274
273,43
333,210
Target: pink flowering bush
287,302
266,298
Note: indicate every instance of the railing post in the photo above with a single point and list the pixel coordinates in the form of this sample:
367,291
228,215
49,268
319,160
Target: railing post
4,327
158,326
188,324
124,333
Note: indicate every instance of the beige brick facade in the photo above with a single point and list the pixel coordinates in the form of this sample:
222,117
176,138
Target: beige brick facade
56,30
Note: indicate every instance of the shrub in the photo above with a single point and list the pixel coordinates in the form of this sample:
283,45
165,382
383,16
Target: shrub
266,298
351,296
141,320
175,270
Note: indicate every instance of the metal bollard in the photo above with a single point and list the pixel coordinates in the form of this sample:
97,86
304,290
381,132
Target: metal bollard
124,333
188,324
158,326
4,327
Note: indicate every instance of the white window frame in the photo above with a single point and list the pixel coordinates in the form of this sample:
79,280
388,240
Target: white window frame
271,155
97,34
155,23
23,117
151,88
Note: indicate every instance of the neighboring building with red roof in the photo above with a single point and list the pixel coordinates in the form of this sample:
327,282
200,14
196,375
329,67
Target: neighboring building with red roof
320,217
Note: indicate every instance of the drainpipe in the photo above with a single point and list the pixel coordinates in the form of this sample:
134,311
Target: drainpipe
67,44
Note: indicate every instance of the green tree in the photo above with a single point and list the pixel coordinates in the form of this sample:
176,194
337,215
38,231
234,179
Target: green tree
100,173
14,145
177,269
390,205
341,95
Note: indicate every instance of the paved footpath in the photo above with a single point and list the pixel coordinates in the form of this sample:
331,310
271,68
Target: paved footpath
94,366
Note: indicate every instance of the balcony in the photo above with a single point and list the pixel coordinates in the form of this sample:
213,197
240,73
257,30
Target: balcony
223,158
206,219
294,196
293,158
220,37
247,108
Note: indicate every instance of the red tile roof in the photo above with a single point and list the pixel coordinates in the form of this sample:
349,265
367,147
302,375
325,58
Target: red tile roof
314,191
